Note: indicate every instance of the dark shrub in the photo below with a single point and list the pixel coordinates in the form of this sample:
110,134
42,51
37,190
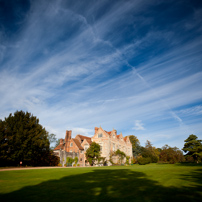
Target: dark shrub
154,159
144,161
189,159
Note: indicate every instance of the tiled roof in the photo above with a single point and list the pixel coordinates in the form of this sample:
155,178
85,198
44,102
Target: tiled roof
59,146
108,132
125,138
78,144
83,137
89,141
118,136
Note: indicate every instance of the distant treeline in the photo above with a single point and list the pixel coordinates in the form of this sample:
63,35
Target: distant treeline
167,154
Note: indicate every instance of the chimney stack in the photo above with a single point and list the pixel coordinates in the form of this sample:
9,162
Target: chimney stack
68,136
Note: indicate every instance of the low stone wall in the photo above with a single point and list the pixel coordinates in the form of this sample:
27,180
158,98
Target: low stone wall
63,156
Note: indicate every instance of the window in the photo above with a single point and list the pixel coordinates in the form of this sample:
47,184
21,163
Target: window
81,152
113,136
71,144
100,146
70,150
100,135
80,159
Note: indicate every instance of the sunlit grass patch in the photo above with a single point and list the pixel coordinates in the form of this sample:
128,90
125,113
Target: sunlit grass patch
154,182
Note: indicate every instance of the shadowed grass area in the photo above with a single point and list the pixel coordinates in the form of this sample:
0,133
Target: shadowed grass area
152,182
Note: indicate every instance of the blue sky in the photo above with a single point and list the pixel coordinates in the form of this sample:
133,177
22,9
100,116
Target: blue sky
135,66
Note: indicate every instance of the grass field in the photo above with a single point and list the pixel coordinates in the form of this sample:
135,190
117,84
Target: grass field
153,182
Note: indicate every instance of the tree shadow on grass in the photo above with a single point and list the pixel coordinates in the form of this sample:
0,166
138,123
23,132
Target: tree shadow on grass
104,185
189,164
195,176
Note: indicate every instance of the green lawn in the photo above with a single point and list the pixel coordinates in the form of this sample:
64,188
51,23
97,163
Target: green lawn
153,182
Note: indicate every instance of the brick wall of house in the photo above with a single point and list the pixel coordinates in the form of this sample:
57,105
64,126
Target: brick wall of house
73,147
110,141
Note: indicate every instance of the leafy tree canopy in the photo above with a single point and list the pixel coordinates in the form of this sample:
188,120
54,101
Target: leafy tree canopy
93,153
193,147
148,145
149,152
135,145
171,155
22,138
53,140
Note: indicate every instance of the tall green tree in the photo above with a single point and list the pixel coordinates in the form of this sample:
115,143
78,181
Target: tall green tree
93,153
149,154
148,145
193,147
22,138
135,145
154,153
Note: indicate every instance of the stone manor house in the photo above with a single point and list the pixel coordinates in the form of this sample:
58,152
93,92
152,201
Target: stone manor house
109,142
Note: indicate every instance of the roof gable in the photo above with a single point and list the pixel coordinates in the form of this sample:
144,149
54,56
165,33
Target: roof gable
113,135
104,132
109,133
128,140
120,136
81,138
78,144
86,141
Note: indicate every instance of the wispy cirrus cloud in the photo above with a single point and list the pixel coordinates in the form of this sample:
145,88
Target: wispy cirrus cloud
196,110
108,64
